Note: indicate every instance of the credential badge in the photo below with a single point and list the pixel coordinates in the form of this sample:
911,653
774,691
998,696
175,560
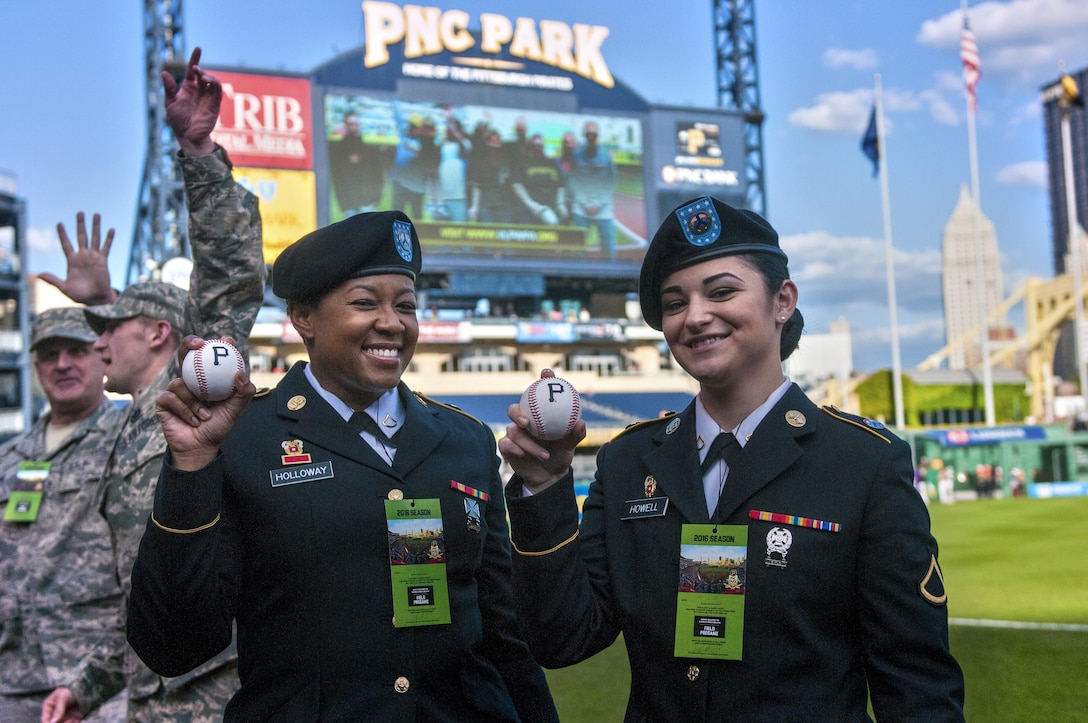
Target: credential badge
402,237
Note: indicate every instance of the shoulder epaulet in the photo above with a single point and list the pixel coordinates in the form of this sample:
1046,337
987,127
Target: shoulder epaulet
262,392
877,429
425,401
645,423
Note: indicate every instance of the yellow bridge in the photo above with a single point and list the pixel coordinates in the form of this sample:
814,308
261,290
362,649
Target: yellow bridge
1047,306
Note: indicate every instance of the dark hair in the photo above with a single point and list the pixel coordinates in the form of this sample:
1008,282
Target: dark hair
774,270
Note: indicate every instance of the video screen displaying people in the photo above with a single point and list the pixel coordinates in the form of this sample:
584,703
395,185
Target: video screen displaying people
491,181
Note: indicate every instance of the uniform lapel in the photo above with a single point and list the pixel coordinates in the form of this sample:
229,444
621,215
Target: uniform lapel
673,460
420,435
771,450
314,421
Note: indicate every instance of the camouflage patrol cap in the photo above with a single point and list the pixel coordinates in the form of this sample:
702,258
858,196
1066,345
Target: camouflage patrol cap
63,323
366,244
153,299
697,231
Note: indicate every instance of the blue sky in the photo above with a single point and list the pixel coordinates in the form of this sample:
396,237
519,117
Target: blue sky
73,126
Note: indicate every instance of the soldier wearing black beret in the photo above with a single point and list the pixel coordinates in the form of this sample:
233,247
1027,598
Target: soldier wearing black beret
367,244
286,516
765,559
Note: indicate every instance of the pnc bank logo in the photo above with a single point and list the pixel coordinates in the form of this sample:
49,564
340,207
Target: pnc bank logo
428,31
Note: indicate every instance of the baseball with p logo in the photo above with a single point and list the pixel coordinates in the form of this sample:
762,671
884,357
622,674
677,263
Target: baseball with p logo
552,406
209,371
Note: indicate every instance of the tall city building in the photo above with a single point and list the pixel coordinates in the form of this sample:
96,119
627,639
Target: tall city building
1078,131
15,396
960,279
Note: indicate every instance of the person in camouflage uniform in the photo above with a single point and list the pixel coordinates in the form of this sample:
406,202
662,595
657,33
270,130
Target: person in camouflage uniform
140,334
58,594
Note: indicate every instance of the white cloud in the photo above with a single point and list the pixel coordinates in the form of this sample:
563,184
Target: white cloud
841,273
939,108
900,100
42,240
917,340
43,249
838,112
1030,174
846,278
1019,41
855,59
929,331
848,111
947,81
1030,112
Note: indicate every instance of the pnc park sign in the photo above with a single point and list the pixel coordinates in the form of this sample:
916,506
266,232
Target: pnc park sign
428,31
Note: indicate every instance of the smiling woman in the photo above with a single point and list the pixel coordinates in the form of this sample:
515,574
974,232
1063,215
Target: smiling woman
302,516
360,336
749,535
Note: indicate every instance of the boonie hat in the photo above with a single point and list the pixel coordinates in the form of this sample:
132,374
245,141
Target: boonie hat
154,299
367,244
62,323
697,231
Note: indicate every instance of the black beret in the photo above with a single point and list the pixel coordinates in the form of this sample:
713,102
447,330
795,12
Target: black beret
697,231
382,242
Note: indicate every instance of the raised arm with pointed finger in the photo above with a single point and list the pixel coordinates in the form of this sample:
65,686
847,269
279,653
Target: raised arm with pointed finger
226,289
192,108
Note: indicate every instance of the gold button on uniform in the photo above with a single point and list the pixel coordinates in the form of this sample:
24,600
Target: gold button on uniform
401,684
693,673
395,494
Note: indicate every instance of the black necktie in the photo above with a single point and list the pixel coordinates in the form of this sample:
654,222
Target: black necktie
725,446
361,421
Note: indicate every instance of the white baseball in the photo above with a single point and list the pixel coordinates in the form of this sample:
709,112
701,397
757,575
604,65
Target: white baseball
552,406
209,371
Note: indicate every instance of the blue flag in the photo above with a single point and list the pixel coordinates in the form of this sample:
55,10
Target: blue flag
870,144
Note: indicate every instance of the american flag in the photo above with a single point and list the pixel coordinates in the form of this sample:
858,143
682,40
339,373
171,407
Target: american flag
972,69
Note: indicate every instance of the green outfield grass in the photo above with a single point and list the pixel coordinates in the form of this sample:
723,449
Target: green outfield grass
1018,560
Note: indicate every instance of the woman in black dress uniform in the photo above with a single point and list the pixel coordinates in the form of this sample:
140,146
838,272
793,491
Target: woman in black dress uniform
784,573
285,514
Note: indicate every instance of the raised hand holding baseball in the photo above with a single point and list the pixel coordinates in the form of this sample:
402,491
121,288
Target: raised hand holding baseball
209,370
552,406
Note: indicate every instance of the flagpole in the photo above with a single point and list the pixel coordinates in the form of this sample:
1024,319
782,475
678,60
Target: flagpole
980,270
1074,246
889,250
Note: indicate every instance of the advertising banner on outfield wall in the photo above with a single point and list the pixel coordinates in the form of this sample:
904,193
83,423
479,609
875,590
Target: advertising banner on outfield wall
288,205
265,121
